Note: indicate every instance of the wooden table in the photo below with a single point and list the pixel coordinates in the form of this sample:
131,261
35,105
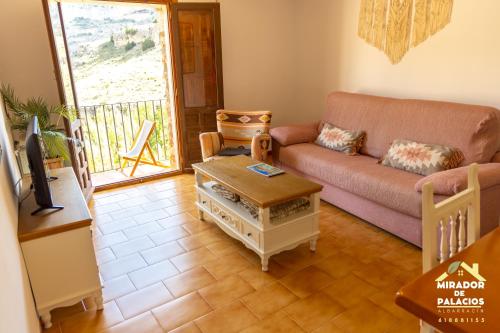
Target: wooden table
57,248
262,234
420,296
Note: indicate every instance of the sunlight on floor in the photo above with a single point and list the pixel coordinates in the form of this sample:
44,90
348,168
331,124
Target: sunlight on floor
115,176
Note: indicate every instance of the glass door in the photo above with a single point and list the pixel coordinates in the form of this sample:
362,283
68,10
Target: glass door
115,68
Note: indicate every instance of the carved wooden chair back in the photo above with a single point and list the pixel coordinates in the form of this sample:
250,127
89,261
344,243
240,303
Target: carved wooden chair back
454,223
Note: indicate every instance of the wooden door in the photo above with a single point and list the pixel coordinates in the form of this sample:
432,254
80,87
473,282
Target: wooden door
196,36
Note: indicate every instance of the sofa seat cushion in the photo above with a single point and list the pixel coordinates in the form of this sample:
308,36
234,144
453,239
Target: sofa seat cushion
360,175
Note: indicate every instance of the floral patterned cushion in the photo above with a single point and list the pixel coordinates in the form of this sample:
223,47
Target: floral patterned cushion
420,158
335,138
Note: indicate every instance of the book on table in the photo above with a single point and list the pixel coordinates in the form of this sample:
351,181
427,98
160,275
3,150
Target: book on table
265,169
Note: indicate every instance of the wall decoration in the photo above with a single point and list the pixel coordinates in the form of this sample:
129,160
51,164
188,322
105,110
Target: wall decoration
394,25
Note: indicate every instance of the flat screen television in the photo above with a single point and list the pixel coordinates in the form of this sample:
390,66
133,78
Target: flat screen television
40,177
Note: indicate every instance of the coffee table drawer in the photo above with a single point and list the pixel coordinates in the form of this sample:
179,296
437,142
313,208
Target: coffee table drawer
227,218
251,234
204,200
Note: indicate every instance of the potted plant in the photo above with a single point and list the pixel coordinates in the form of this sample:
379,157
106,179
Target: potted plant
49,118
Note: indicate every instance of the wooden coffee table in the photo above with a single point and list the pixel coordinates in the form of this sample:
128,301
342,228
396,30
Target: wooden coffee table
262,234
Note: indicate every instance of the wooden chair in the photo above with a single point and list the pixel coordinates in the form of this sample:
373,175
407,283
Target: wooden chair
238,129
139,145
454,221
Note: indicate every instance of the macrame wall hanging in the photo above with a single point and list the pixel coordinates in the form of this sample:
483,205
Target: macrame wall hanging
394,25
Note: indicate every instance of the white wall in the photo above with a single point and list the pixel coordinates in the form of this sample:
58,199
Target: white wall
459,63
259,56
25,58
17,311
317,30
25,64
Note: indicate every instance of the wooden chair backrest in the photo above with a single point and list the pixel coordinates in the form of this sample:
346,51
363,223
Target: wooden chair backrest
439,221
239,127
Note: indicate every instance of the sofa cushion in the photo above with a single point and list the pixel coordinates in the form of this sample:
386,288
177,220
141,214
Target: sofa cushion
496,157
345,141
359,174
473,129
293,134
421,158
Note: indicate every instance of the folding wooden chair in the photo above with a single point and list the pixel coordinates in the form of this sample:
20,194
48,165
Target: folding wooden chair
141,143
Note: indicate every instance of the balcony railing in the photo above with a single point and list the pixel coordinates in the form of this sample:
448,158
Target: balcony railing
111,128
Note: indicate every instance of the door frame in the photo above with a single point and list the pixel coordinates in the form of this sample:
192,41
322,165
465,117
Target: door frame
60,89
177,66
62,98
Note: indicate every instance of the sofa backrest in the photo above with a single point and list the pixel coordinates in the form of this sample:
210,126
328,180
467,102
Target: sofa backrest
473,129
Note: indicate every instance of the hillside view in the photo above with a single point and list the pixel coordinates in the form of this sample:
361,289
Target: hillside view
115,52
116,58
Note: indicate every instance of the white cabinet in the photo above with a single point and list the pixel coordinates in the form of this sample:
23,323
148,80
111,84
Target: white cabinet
58,249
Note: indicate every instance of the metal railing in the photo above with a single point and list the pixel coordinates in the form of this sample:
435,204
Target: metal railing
111,128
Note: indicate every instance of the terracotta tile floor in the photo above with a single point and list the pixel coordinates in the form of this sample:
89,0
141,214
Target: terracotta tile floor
164,270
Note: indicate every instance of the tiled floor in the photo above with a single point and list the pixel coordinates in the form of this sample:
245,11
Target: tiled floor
164,270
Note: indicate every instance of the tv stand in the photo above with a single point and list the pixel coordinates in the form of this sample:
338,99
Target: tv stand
58,248
40,209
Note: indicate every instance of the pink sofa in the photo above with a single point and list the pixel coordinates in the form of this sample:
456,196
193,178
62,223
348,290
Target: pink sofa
381,195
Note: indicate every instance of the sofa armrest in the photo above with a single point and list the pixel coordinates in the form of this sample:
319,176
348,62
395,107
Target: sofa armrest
452,181
294,134
211,143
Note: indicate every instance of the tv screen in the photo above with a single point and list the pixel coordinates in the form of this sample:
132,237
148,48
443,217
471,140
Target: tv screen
39,173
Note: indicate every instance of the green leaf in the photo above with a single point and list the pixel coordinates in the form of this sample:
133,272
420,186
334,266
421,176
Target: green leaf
454,267
55,142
